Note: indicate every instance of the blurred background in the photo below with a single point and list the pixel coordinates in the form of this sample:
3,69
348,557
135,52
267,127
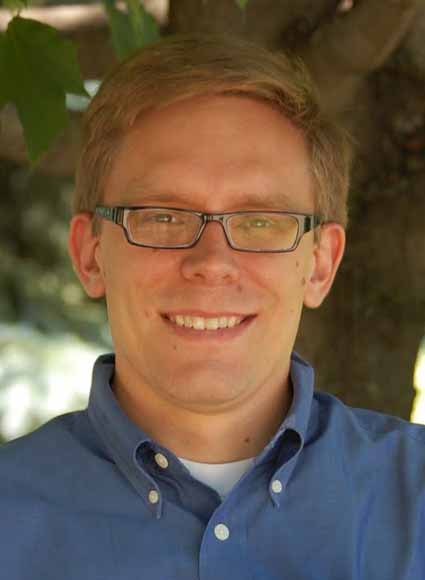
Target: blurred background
368,59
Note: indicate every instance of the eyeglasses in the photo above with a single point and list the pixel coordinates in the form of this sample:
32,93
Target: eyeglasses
173,228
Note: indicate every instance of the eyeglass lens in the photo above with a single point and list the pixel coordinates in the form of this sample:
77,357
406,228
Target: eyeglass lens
259,231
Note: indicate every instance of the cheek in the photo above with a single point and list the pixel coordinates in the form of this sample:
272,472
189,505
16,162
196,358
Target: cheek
301,271
148,313
291,287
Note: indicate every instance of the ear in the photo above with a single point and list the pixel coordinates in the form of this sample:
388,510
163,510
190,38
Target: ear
327,256
83,247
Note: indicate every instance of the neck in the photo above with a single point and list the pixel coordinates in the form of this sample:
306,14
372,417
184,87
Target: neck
224,436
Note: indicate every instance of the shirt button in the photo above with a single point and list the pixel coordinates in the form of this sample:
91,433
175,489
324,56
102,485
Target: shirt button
161,460
221,532
277,486
153,496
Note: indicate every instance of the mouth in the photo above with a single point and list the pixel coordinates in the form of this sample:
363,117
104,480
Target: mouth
217,328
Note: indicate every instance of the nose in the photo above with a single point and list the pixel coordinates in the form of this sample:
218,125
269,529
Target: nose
211,260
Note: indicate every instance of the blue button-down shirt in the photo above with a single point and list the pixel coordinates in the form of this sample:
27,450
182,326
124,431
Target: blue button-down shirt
74,499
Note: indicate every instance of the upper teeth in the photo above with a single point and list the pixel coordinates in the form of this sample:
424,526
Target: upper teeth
199,323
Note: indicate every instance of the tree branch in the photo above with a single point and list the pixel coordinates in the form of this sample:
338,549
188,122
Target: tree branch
342,53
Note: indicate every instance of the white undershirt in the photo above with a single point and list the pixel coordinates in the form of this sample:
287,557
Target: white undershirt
220,476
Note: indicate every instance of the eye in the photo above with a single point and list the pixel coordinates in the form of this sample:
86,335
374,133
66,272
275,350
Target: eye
257,222
164,217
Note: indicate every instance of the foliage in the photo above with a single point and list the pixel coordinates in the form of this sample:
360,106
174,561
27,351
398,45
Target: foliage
39,377
43,308
37,284
40,68
15,4
242,4
132,29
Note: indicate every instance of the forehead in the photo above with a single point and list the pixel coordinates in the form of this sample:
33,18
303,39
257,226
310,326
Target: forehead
212,150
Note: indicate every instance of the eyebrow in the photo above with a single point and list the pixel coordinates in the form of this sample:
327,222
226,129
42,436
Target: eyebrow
150,196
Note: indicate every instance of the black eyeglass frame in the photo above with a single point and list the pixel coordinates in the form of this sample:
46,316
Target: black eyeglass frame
119,215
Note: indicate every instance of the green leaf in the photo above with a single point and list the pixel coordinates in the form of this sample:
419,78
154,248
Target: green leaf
4,95
40,69
15,4
121,29
132,29
242,3
145,27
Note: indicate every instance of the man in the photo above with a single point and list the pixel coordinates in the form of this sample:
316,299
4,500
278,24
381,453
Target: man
210,208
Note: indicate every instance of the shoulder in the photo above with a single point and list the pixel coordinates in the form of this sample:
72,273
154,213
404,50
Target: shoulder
375,425
49,436
51,453
370,440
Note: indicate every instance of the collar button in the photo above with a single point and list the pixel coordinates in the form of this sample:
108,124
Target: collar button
277,486
153,496
161,460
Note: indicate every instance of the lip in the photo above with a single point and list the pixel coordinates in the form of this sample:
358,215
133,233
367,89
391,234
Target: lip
217,336
204,314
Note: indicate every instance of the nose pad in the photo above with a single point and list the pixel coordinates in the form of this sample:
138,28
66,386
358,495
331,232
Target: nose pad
218,221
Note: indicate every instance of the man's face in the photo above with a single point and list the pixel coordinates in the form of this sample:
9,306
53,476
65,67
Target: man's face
212,154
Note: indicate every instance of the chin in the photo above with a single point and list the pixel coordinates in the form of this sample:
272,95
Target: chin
206,391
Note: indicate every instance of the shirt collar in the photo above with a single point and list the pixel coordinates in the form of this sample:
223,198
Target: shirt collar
123,438
288,441
302,379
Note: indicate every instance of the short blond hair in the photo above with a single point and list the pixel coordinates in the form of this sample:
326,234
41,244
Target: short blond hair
181,67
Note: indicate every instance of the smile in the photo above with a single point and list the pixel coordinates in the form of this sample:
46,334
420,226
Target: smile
212,330
200,323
